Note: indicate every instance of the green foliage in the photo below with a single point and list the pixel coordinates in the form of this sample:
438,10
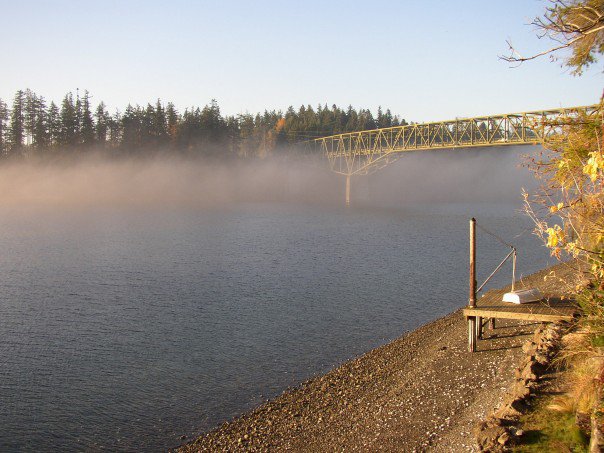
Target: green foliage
548,430
579,23
68,135
3,127
86,122
575,25
572,224
16,132
591,301
35,128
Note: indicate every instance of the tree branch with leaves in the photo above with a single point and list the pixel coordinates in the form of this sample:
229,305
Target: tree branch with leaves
577,25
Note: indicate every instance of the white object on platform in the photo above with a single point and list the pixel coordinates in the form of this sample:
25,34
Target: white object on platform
523,296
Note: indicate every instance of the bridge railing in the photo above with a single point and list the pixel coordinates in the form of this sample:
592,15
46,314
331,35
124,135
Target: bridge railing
366,151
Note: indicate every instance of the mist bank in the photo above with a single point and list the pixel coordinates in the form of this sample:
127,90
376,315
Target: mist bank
490,175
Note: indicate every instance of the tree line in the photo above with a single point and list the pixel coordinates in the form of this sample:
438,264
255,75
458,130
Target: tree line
32,126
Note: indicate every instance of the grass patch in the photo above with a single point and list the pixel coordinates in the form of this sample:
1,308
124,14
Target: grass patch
549,430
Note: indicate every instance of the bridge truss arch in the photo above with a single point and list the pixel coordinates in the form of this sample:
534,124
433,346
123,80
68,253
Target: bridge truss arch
364,152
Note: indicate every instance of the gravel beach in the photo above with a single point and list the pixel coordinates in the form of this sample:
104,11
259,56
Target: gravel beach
421,392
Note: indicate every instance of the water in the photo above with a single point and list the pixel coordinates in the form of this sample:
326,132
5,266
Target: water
125,328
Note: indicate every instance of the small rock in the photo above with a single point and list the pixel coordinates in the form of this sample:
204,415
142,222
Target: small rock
504,439
530,347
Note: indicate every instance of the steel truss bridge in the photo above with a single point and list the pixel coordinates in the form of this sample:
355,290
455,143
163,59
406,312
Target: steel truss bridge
363,152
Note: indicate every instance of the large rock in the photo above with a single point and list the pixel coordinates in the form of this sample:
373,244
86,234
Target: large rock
497,432
488,434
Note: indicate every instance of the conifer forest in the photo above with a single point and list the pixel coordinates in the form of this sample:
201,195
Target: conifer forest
31,126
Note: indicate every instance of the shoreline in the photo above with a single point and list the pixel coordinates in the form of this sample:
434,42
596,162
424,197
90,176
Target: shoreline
421,391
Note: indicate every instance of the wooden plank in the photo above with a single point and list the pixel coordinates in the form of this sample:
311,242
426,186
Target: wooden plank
547,307
527,316
557,304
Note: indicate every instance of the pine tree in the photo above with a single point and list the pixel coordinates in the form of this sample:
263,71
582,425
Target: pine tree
78,115
131,128
17,123
40,133
160,125
68,137
3,127
172,122
148,136
29,115
115,129
101,124
86,122
54,125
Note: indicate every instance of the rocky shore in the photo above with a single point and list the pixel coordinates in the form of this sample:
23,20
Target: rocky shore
500,430
420,392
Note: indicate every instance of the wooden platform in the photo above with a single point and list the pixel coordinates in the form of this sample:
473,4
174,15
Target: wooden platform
556,305
550,309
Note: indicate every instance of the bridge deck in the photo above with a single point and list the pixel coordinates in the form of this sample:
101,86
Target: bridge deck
363,152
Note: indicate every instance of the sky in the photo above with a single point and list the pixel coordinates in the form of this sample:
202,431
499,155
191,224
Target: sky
425,60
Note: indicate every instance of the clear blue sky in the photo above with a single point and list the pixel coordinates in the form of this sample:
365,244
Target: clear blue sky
425,60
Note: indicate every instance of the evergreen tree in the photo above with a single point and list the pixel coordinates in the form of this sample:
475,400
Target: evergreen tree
247,134
148,137
86,122
17,123
351,116
172,120
68,138
384,119
78,115
198,131
101,128
54,125
115,129
40,133
160,125
29,114
131,129
3,127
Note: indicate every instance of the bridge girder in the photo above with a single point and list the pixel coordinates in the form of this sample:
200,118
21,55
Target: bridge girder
358,153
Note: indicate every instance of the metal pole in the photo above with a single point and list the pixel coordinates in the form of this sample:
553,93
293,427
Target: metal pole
513,269
472,300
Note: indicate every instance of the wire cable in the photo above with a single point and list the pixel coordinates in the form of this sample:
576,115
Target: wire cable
494,235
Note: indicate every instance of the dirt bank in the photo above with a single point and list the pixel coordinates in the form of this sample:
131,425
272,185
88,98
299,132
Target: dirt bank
423,391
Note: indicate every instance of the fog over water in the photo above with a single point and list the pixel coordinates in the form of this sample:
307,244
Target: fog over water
491,175
143,300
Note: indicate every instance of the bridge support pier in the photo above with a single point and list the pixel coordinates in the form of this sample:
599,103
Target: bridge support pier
347,190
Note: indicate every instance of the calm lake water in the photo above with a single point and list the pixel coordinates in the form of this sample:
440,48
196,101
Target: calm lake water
124,329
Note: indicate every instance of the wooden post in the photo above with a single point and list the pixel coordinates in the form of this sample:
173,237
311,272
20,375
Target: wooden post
479,327
474,323
347,190
472,334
